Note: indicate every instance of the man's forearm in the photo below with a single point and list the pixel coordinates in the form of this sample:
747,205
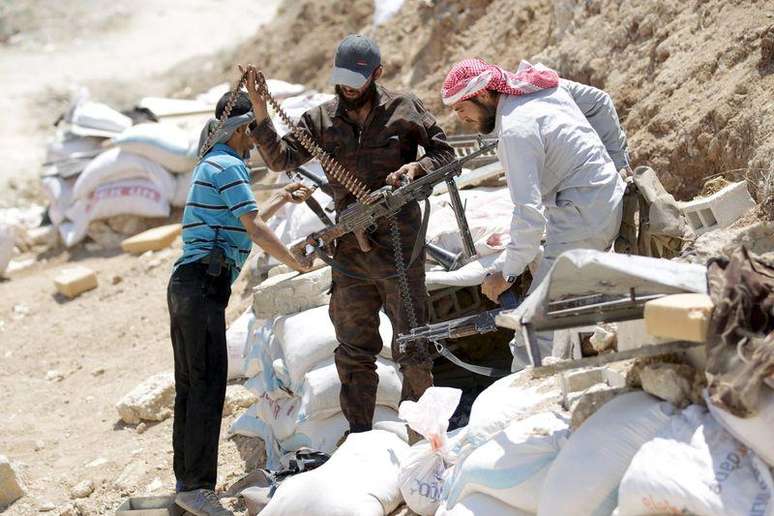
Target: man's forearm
278,153
272,206
265,238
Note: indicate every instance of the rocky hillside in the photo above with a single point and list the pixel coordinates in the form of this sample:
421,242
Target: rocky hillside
692,79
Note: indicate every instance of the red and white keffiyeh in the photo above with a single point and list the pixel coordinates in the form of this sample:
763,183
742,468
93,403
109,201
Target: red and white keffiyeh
470,77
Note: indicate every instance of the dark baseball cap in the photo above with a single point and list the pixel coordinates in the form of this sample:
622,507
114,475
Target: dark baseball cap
356,59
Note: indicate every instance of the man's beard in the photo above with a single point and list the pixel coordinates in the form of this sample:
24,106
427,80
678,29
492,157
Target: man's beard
487,124
367,96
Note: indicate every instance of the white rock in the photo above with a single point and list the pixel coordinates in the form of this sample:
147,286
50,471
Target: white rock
237,397
11,487
82,489
671,382
291,293
152,400
54,376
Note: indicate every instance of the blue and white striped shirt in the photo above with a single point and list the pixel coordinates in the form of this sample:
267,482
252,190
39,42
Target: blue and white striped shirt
220,193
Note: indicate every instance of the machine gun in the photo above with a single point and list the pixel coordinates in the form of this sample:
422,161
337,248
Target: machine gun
361,217
464,326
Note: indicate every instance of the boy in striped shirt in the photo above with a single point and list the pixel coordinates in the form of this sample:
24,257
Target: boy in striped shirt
221,221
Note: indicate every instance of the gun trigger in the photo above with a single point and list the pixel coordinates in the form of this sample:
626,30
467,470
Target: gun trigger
362,241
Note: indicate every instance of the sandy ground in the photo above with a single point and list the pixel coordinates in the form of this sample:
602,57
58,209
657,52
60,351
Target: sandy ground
126,49
99,346
108,340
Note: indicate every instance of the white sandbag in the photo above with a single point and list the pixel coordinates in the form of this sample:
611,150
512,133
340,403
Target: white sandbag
488,212
116,164
59,192
7,243
360,479
324,434
513,465
166,144
321,387
95,115
479,504
423,470
695,467
296,106
164,106
295,221
308,338
584,477
182,189
249,424
756,432
509,399
236,344
69,146
281,415
138,197
280,89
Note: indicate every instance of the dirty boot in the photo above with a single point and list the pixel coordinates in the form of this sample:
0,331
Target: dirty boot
201,502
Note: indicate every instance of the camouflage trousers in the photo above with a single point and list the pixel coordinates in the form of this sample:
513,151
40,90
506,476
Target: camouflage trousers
354,311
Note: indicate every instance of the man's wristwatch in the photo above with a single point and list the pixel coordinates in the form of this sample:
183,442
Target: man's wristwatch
511,279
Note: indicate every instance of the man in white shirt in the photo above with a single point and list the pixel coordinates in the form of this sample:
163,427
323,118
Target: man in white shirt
560,174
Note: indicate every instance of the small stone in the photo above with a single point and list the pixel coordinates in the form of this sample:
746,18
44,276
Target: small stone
20,311
11,487
116,279
155,485
82,489
97,462
604,338
46,506
580,379
152,400
39,445
98,372
141,428
54,376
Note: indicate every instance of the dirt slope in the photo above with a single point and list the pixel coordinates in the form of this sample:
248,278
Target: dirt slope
692,80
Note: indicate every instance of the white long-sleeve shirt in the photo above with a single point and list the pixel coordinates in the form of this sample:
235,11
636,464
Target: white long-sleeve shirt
598,108
561,179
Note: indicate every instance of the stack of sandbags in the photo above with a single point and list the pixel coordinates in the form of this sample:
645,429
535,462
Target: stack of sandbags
584,477
298,385
102,166
512,466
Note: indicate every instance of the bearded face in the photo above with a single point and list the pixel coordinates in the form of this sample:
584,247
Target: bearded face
352,99
478,113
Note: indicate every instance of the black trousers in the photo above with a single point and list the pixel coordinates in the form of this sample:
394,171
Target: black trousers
197,304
